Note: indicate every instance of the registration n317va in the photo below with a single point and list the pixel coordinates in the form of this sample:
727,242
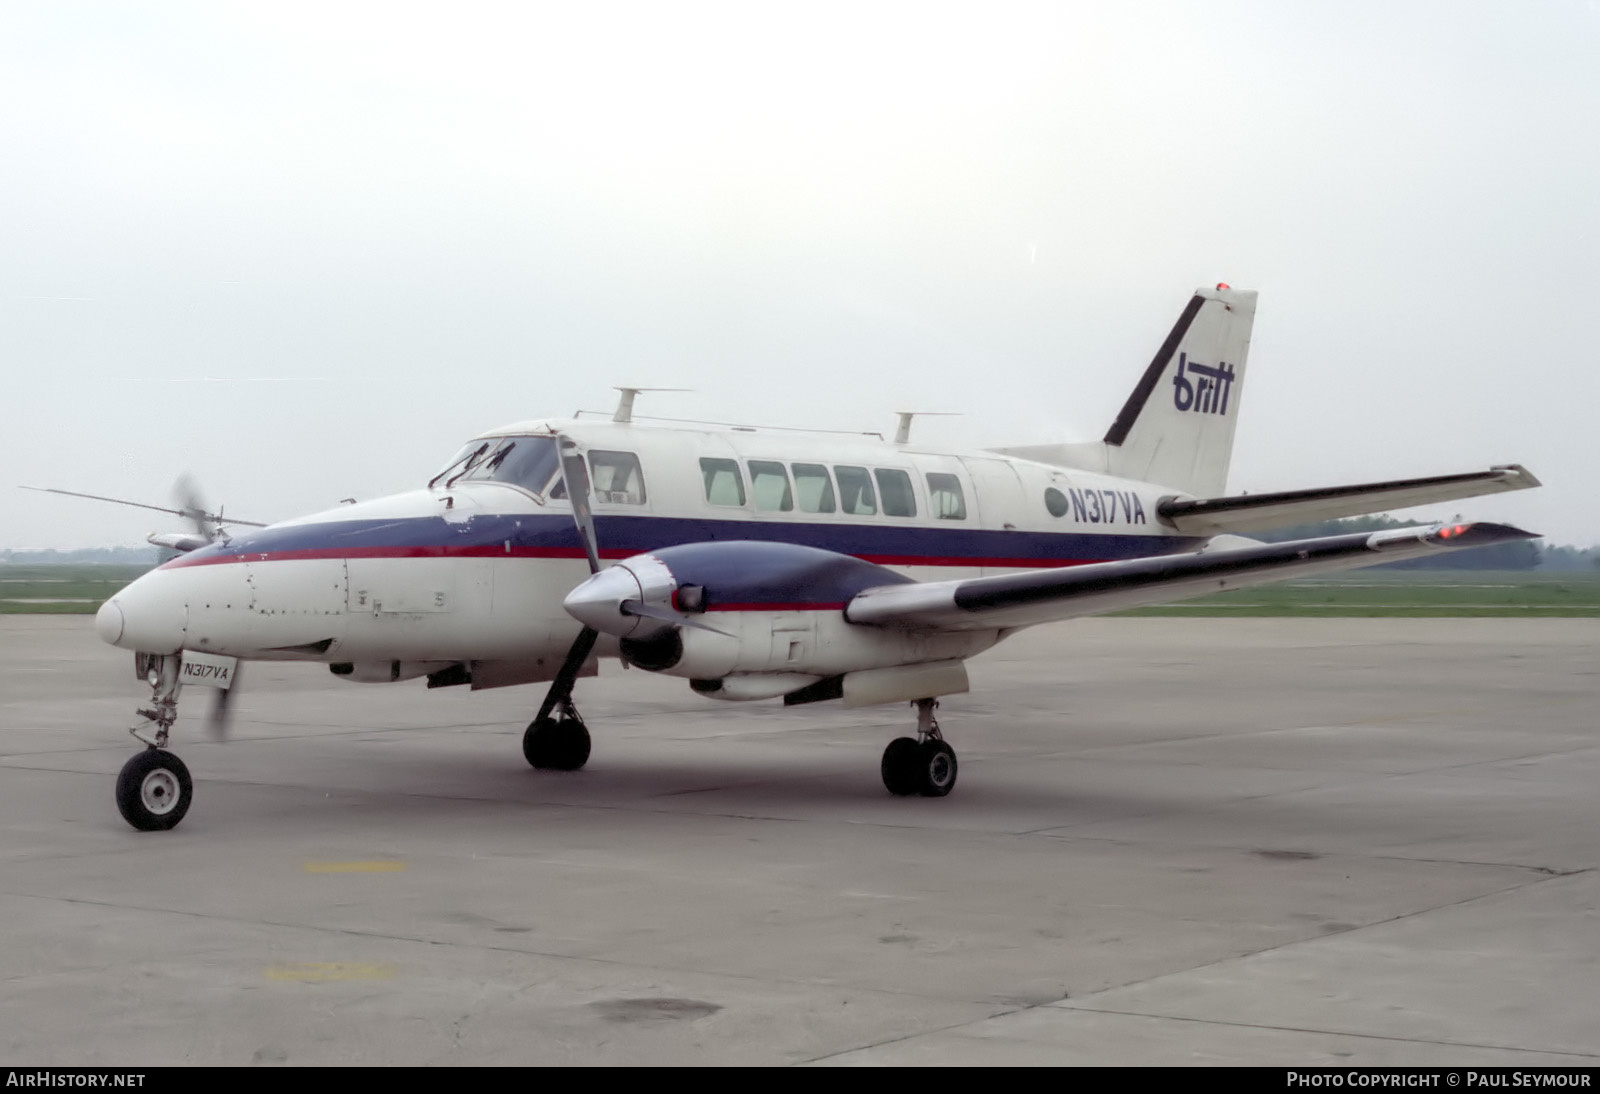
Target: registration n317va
752,564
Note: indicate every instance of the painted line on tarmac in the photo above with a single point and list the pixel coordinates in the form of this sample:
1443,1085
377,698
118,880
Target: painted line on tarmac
381,866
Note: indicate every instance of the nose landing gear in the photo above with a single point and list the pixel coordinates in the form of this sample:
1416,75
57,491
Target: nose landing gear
557,739
154,789
926,765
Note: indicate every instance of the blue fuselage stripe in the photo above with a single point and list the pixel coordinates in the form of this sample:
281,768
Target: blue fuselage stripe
554,535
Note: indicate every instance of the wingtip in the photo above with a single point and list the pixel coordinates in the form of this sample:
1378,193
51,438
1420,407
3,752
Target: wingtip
1481,533
1518,477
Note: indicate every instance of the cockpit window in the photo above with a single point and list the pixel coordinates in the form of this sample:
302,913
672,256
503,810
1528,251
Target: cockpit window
528,462
460,459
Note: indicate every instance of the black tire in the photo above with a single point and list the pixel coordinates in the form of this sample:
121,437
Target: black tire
556,744
937,769
902,767
154,791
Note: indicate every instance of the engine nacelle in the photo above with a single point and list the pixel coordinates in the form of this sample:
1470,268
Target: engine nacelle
715,611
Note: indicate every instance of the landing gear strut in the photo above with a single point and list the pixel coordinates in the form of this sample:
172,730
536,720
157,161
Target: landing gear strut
925,765
557,739
154,789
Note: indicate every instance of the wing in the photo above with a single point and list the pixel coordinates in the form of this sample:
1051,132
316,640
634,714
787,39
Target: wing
1040,596
1256,512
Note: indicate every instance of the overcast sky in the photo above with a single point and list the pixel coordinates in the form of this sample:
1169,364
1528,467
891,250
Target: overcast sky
304,250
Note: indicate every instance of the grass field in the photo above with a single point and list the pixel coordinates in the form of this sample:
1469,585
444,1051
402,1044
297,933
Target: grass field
80,589
64,588
1406,593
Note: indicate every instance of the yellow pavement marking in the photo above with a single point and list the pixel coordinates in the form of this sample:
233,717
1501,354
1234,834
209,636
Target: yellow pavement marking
375,867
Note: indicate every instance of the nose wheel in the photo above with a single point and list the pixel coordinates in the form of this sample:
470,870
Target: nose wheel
154,790
923,765
557,742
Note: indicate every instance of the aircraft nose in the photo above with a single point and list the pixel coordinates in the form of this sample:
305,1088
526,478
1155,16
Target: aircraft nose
108,623
149,615
598,601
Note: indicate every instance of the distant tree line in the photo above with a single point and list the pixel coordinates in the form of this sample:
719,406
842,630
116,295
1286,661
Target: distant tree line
1525,554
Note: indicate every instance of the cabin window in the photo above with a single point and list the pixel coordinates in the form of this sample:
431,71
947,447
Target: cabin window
769,486
724,486
895,488
945,497
814,487
1055,501
615,477
855,491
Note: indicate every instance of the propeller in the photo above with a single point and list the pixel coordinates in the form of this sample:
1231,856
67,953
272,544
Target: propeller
575,478
193,508
192,512
221,718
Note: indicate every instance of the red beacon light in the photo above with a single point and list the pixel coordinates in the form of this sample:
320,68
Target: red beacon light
1222,285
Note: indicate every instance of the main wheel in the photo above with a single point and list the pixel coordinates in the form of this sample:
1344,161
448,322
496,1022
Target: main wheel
902,766
556,744
937,768
154,790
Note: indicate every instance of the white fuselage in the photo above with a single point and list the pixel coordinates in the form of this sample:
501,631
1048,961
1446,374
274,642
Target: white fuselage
475,571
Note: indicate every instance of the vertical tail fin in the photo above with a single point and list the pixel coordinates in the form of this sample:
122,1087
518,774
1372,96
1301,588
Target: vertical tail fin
1176,428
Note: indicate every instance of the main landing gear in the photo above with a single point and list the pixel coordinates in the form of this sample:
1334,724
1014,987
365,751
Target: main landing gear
557,739
154,789
926,765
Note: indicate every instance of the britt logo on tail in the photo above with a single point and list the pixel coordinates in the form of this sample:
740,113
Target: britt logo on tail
1208,392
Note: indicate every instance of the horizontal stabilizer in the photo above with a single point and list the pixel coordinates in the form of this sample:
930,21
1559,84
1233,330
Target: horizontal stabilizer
1257,512
1041,596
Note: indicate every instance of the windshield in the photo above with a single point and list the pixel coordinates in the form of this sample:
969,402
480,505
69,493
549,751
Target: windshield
528,462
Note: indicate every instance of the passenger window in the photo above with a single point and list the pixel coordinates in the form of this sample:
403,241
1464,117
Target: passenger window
898,500
815,488
855,491
945,497
769,485
724,486
615,476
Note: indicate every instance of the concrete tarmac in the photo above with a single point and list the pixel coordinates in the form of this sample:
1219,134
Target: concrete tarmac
1192,841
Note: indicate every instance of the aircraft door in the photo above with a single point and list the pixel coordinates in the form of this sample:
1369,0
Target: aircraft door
997,500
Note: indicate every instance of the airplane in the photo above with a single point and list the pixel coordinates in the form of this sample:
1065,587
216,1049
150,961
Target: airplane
754,564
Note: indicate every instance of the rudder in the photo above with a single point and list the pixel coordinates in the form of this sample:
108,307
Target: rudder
1176,428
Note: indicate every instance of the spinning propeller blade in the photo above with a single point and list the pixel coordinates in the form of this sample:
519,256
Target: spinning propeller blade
576,476
221,717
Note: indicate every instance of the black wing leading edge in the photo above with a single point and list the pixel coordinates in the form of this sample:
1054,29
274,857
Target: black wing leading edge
1041,596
